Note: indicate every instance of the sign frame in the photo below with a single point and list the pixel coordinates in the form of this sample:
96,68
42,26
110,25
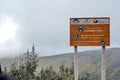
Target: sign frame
90,36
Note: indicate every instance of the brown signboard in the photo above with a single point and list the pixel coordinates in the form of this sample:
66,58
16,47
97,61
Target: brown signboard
90,31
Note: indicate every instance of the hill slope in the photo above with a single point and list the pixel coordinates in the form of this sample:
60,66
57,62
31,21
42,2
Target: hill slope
89,61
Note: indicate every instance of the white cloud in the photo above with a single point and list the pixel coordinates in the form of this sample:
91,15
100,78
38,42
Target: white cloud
8,41
7,29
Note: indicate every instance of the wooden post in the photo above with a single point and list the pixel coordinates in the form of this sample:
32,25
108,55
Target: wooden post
103,64
75,63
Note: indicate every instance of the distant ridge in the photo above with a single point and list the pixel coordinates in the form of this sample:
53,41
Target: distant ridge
89,61
85,52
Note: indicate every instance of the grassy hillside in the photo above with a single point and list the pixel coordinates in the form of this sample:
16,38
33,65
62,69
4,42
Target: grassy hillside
89,61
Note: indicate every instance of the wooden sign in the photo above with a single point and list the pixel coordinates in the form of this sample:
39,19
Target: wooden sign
90,31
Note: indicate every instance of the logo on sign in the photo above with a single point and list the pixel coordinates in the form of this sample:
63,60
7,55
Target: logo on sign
95,21
80,28
76,36
103,42
76,20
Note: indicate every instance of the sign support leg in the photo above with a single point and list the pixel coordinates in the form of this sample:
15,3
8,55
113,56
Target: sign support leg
103,64
75,63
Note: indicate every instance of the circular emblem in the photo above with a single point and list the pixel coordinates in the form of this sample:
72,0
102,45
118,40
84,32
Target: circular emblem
103,42
76,36
80,28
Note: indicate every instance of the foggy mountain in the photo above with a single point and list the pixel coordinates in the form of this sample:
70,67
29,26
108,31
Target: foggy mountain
89,61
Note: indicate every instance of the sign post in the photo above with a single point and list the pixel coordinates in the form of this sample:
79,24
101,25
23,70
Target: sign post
75,63
103,64
90,32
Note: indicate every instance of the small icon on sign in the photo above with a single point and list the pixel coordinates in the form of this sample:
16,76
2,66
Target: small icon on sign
103,42
86,21
95,21
80,28
76,20
76,36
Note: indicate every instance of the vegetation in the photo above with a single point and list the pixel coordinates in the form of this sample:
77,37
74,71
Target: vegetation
27,70
32,67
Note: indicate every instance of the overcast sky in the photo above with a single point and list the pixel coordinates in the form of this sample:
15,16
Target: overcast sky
46,24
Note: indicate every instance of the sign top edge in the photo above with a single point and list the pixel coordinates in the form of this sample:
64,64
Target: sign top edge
90,18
